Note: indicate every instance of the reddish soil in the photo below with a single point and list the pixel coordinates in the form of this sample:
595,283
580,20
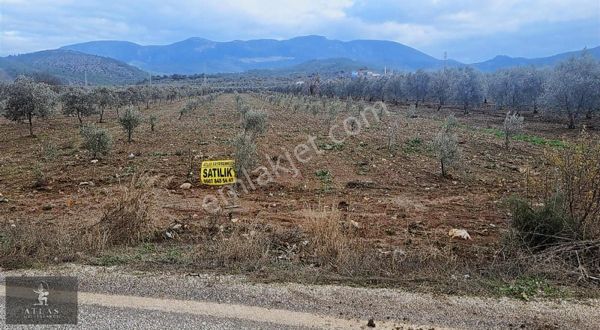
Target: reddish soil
407,203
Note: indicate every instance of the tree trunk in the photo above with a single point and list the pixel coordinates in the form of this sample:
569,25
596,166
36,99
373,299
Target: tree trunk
101,115
443,168
129,135
29,117
79,118
571,120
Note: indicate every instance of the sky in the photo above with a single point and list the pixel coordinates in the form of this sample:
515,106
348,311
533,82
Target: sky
468,30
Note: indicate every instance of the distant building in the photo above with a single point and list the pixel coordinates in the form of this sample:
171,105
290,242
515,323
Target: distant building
364,73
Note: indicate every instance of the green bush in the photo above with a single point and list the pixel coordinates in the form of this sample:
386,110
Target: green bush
254,122
95,140
540,227
129,121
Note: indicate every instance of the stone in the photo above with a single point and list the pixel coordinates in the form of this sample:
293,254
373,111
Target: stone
186,186
459,233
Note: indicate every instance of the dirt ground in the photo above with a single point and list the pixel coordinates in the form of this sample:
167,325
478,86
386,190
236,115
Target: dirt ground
397,199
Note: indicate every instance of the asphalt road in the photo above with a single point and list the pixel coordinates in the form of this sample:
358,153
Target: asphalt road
119,299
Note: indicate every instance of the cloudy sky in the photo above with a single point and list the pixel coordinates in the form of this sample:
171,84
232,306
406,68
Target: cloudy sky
468,30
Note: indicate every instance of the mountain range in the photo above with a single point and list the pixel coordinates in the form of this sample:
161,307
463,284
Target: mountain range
125,62
196,55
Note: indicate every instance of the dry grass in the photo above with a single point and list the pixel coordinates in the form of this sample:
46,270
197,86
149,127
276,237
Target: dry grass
245,247
128,219
27,246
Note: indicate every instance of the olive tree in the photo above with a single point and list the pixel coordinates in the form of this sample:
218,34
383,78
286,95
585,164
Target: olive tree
129,121
445,145
105,98
533,86
393,89
254,123
439,87
78,101
467,89
513,124
417,85
26,99
516,88
573,88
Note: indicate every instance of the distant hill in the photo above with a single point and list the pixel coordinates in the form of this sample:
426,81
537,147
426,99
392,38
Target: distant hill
325,67
121,62
197,55
503,61
70,67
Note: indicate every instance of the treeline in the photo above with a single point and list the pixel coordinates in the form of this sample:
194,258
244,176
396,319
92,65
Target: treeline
571,88
26,99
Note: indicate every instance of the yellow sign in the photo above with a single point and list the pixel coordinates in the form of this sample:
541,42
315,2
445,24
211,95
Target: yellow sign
217,172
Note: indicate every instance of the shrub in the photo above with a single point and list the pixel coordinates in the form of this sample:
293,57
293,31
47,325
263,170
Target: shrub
152,121
326,179
575,174
539,227
255,122
95,140
567,226
245,152
129,121
513,124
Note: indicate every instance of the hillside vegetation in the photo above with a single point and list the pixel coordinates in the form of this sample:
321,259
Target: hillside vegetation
71,67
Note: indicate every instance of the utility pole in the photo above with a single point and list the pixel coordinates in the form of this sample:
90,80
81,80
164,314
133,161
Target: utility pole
445,59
